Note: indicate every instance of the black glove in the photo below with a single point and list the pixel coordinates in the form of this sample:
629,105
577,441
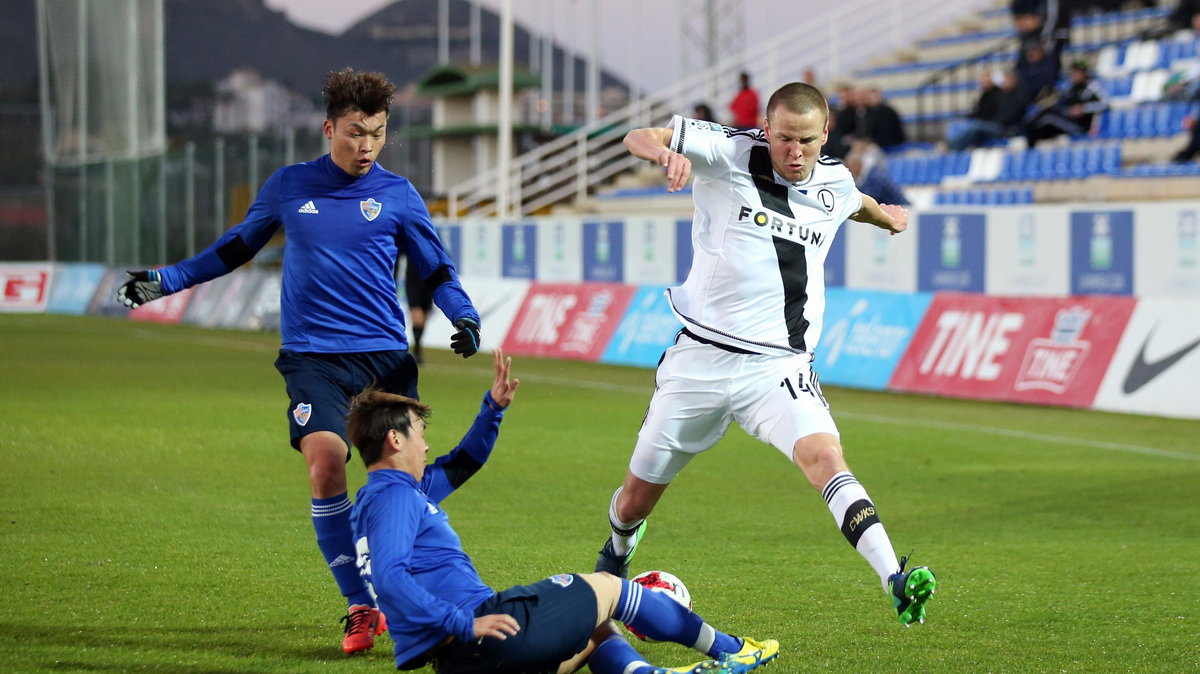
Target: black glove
143,287
466,340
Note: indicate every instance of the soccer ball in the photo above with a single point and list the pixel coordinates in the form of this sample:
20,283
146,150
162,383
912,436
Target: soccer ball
666,583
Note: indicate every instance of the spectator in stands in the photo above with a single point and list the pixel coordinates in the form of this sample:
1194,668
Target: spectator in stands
836,144
1037,70
744,106
984,111
702,112
868,165
1073,111
848,112
883,124
1186,16
1005,121
1191,123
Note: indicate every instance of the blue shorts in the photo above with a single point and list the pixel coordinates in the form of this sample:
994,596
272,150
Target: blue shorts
320,386
557,617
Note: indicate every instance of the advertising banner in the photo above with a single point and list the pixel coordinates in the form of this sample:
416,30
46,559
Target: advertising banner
564,320
866,333
1157,365
104,302
519,245
1036,350
951,252
73,287
218,303
25,286
166,309
877,260
650,250
1102,253
604,251
1166,250
1026,251
646,330
481,249
560,249
497,301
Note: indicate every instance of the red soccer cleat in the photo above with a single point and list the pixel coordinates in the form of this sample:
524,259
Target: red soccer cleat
362,624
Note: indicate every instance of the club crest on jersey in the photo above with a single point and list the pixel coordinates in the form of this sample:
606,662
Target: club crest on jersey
563,579
825,198
370,208
302,413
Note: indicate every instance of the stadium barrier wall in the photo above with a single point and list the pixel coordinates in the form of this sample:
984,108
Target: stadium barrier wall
1066,305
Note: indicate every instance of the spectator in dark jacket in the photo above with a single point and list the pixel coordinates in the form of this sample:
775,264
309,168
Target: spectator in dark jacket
1038,70
1011,103
883,124
1073,112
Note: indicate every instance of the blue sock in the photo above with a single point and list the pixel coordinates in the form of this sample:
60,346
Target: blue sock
657,616
331,519
614,655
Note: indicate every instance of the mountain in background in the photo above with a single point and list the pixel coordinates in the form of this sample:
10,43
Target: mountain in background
207,40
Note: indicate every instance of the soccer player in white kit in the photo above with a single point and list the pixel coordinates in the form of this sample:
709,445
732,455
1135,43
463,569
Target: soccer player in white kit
767,208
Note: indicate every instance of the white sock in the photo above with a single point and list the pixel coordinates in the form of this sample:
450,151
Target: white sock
854,511
622,532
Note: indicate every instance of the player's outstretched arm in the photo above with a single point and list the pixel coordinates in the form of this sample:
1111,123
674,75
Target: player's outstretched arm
654,145
885,216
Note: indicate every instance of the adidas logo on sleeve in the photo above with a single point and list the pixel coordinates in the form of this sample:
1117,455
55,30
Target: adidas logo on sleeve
309,207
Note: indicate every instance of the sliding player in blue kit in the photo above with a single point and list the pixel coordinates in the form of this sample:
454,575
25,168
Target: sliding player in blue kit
440,611
346,220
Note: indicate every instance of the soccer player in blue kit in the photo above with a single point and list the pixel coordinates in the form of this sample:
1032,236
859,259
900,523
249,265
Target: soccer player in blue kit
441,613
346,220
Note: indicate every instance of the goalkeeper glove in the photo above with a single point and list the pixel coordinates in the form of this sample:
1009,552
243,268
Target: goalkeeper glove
142,287
466,340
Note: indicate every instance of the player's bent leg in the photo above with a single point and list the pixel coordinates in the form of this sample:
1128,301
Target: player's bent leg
325,454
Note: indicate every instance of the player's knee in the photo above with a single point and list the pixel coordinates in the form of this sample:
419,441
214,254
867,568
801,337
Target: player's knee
819,456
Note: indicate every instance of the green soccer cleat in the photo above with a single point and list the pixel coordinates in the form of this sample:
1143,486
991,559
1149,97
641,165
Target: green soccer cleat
752,654
610,562
910,591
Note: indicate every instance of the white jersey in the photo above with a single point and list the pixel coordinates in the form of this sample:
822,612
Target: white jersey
757,280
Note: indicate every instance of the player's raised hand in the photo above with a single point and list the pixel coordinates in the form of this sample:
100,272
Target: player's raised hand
503,389
899,216
678,168
498,625
142,286
466,340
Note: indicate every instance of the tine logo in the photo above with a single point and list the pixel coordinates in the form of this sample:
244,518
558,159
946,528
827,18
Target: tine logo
302,413
370,208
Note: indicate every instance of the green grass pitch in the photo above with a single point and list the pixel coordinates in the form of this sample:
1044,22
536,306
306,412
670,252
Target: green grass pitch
155,519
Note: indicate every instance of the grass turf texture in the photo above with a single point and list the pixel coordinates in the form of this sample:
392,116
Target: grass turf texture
155,518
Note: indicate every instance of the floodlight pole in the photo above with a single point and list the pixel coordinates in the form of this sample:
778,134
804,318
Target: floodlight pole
504,120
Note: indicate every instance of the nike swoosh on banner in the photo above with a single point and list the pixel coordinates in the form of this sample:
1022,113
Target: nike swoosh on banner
1141,372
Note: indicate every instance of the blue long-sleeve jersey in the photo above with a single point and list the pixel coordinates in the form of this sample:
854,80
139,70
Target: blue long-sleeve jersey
343,237
425,584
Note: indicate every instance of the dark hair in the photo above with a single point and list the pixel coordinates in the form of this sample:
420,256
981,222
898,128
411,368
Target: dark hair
799,98
373,413
350,91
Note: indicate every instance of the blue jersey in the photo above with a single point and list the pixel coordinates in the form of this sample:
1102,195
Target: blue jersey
424,583
343,238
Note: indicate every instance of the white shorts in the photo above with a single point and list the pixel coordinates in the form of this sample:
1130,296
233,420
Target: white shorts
701,388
